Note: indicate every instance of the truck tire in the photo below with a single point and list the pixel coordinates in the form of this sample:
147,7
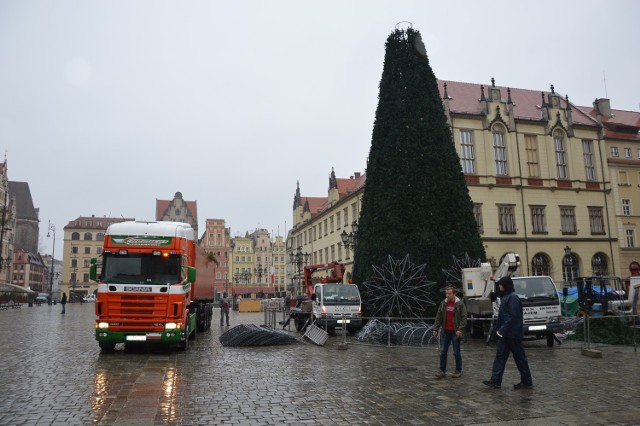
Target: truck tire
184,344
107,347
477,329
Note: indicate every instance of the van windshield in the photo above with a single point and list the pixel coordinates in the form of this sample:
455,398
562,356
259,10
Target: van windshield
140,269
535,288
338,294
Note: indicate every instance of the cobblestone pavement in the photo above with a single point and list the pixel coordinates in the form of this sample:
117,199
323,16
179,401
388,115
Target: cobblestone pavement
53,373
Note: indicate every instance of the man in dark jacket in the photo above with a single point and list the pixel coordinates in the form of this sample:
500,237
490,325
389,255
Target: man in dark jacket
452,317
509,332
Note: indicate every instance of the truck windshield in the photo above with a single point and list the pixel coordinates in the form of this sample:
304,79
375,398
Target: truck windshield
340,294
140,269
535,288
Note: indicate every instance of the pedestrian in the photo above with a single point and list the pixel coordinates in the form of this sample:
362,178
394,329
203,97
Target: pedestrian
452,317
63,301
509,328
224,308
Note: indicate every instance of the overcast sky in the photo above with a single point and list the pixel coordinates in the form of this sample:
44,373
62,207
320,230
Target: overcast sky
106,106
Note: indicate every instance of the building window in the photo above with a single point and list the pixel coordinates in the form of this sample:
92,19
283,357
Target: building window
477,214
85,278
614,151
86,263
540,265
87,250
506,219
623,180
88,236
627,153
561,155
354,211
538,220
346,215
638,152
338,223
98,250
568,220
467,155
75,236
339,252
596,220
587,153
74,249
531,142
500,151
626,207
630,235
74,263
326,227
599,264
331,224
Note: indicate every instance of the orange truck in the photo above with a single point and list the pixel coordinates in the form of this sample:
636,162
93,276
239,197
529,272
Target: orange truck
147,287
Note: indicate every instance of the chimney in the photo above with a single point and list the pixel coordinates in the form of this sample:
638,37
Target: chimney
603,107
356,174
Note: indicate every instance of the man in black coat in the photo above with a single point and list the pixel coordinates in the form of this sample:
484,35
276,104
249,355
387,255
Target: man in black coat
510,332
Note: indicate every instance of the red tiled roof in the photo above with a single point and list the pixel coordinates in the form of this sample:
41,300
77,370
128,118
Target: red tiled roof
625,118
105,221
465,99
619,120
316,204
351,185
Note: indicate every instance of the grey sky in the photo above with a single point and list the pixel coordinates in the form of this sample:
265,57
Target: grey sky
106,106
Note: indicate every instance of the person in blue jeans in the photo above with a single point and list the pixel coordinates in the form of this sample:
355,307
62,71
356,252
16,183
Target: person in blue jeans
452,317
509,332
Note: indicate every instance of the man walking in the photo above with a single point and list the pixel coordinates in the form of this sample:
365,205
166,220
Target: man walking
510,333
452,316
224,308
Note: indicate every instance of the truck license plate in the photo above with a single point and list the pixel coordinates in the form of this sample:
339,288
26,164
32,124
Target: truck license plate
344,321
137,338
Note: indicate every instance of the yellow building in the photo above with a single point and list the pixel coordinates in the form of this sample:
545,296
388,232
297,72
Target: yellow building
83,240
621,134
536,170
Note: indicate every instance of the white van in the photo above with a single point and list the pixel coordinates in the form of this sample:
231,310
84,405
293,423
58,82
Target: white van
89,298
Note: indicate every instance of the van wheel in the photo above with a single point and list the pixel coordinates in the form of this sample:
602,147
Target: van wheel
550,340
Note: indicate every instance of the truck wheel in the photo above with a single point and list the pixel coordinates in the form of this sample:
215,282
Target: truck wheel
477,329
107,347
550,340
184,344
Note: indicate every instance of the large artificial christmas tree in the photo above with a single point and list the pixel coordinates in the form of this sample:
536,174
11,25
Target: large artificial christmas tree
415,199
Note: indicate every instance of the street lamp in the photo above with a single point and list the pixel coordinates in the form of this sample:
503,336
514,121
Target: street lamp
298,258
350,240
567,262
52,228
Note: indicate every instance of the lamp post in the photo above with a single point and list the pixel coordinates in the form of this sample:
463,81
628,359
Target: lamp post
350,240
567,262
52,229
298,258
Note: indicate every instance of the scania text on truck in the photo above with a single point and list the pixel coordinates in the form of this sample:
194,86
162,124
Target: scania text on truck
147,289
539,296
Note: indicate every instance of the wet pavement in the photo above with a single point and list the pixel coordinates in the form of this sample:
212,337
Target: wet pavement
53,373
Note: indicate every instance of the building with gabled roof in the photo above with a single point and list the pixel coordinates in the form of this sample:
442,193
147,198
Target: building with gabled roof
535,169
27,220
621,135
178,210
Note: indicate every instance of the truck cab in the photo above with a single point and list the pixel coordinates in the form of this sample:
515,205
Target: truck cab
337,305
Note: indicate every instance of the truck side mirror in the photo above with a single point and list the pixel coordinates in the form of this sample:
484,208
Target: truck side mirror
493,296
191,274
93,269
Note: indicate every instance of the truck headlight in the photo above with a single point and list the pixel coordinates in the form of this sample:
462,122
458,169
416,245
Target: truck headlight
170,326
104,325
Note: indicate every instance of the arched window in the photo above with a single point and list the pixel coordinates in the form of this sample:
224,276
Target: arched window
75,236
599,264
88,236
500,150
540,264
570,267
561,154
